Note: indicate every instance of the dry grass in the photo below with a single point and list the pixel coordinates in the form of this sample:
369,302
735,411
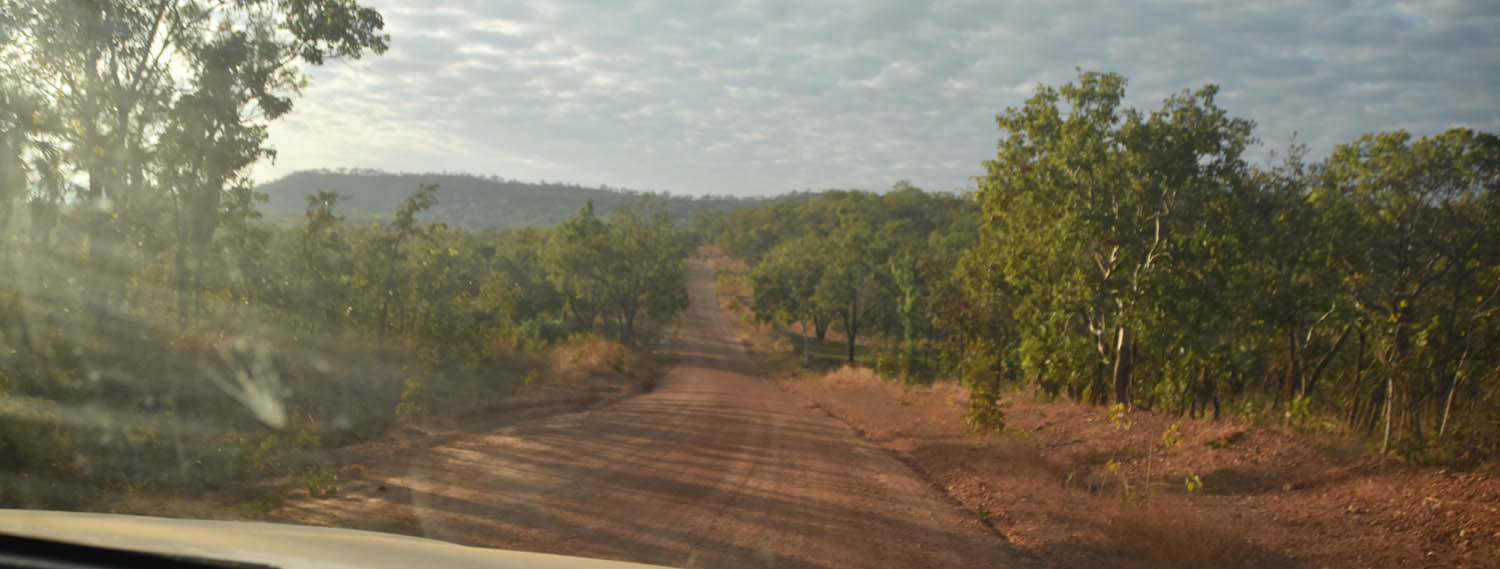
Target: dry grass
590,355
850,375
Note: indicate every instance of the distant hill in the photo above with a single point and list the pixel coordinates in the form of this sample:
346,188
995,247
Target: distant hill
464,200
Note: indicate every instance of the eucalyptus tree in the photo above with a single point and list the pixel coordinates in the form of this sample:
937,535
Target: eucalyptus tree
854,279
623,269
574,252
389,259
643,272
1088,202
170,97
323,262
784,284
1418,257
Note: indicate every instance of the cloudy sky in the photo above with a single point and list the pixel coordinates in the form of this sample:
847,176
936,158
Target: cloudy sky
765,96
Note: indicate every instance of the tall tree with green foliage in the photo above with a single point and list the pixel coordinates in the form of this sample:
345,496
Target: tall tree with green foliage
389,254
1425,212
852,280
643,269
621,269
117,71
1088,201
784,284
574,254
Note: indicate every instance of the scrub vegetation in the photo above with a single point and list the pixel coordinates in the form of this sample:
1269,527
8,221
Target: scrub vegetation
1136,258
161,337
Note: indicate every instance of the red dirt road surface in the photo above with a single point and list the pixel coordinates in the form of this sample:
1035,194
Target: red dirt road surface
715,467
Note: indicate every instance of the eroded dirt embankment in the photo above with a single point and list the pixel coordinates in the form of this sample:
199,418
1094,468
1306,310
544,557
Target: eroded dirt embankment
1269,498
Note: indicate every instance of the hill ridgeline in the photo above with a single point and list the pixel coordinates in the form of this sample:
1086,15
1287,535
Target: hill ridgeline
465,200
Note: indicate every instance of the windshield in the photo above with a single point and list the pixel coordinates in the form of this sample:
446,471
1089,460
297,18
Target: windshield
822,284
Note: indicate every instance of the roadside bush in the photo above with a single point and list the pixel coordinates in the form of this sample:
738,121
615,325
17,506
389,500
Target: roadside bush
984,410
588,353
906,364
412,409
33,437
538,334
278,453
320,481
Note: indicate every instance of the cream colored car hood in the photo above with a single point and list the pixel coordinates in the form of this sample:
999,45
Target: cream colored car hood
279,545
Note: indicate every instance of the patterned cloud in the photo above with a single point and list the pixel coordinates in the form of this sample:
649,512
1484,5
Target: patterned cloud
765,96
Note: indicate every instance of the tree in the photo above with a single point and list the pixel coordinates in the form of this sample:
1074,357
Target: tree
626,268
1422,209
785,282
1129,256
170,96
1088,201
389,255
323,260
851,281
573,256
643,275
206,148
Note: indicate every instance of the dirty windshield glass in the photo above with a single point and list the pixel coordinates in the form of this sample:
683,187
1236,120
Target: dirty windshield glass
757,283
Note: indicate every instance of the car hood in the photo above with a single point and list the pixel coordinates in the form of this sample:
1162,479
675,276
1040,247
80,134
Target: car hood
279,545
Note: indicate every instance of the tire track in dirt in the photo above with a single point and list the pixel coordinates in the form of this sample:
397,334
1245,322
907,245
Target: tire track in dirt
919,470
714,467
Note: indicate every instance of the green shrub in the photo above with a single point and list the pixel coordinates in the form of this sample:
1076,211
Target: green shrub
888,365
1118,415
1298,411
32,436
984,410
411,408
532,382
539,334
277,453
614,359
1172,437
320,481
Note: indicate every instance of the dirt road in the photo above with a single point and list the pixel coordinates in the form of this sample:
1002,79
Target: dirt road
716,467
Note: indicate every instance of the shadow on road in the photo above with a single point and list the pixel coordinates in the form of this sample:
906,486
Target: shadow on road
716,467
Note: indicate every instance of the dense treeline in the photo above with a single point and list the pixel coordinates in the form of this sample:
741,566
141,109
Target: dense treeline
157,332
451,293
860,263
1122,256
470,202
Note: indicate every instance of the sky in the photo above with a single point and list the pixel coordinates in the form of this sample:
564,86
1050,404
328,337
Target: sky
761,97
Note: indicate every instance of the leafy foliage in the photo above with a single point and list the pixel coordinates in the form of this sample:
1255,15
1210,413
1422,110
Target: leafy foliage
1137,259
159,332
